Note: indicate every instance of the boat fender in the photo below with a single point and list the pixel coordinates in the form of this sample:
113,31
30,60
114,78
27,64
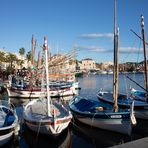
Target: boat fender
100,108
133,119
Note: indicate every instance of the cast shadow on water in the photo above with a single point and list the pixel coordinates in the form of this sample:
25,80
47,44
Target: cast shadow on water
77,135
13,143
30,139
95,137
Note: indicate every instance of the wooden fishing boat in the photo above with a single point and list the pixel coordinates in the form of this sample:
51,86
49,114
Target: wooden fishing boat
102,115
139,94
43,115
8,121
124,101
17,92
56,90
34,92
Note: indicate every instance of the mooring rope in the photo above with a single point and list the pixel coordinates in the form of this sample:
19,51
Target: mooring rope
38,130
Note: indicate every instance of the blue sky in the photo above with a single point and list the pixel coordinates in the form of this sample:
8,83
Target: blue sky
86,25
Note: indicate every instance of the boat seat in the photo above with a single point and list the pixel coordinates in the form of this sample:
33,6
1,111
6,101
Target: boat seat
122,97
84,105
8,120
140,94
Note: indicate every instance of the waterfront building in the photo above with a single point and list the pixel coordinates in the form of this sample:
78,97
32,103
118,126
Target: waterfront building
87,64
107,65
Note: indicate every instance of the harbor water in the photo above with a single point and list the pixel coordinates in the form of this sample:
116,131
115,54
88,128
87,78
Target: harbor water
78,134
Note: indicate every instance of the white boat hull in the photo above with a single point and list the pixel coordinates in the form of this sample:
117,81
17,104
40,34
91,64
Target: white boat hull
111,125
6,138
46,129
97,114
36,118
18,93
8,122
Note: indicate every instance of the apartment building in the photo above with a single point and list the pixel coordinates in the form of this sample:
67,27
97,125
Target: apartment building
87,64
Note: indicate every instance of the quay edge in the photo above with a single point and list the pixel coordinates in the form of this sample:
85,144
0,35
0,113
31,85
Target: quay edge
140,143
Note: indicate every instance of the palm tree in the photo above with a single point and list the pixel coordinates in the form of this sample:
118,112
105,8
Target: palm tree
2,59
11,58
2,56
22,51
28,56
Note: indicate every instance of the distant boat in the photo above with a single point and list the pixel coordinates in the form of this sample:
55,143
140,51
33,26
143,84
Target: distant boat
44,115
109,72
102,72
8,121
78,74
102,115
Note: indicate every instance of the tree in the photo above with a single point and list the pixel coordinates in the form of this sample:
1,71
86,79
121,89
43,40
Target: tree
11,58
29,56
2,56
22,51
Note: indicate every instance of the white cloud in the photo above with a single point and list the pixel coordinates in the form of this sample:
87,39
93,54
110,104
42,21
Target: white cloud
122,50
97,35
91,48
130,50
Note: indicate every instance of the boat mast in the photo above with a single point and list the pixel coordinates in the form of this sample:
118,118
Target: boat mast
115,76
32,50
144,48
39,60
47,79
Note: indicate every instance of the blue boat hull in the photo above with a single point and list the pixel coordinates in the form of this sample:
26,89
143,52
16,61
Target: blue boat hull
99,115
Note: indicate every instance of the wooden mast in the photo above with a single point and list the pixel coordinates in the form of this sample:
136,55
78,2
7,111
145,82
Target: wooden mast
145,58
47,79
39,60
32,50
115,76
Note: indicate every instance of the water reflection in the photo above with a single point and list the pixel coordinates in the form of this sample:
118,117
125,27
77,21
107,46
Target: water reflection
98,137
32,139
90,82
95,137
90,85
